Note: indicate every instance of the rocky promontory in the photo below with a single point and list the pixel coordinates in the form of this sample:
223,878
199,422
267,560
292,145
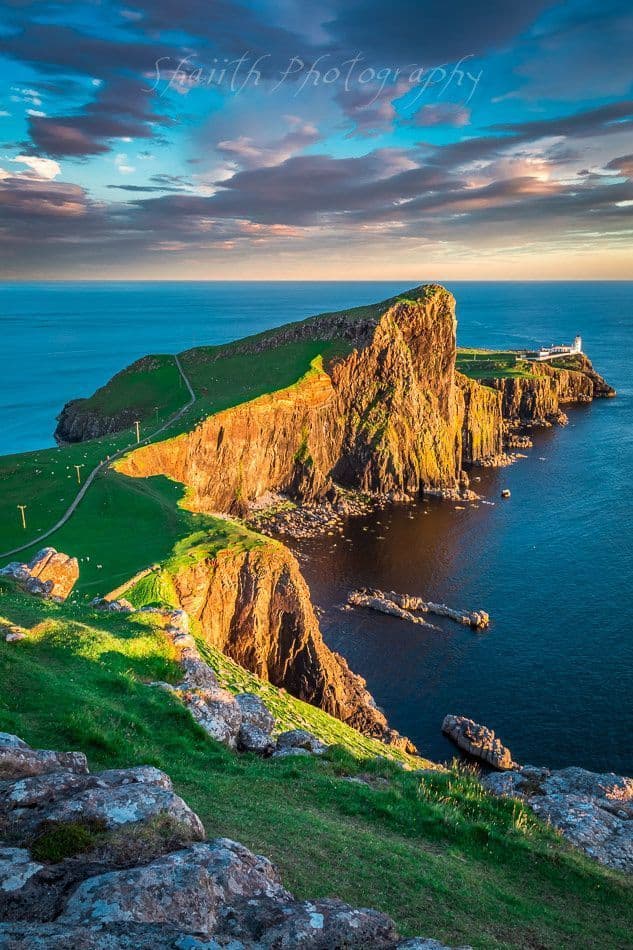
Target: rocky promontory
538,397
390,417
254,606
104,414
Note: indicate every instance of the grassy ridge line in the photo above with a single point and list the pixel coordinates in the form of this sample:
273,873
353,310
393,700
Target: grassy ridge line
497,364
433,850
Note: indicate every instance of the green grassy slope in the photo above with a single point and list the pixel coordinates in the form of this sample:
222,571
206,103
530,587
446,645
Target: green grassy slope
492,364
151,387
432,850
126,524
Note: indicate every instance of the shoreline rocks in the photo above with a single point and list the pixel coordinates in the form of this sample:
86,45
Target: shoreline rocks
478,741
592,810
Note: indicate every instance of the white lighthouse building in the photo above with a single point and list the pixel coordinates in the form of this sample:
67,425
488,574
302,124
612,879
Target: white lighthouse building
553,352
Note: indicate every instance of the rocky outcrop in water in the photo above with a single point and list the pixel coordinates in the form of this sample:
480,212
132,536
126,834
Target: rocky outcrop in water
49,574
478,741
592,810
408,607
117,860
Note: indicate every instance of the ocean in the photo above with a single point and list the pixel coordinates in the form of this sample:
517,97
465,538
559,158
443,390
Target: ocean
553,565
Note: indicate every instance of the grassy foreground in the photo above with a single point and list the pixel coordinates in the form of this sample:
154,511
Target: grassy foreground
431,849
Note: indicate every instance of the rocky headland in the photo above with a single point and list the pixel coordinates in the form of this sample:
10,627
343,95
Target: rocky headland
392,420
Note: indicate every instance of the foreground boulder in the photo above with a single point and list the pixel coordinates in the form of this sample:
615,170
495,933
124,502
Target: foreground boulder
49,574
478,741
134,883
592,810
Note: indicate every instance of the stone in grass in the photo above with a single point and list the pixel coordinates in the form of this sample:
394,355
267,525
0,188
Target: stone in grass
300,739
289,752
253,739
217,712
255,712
187,889
20,761
10,741
16,868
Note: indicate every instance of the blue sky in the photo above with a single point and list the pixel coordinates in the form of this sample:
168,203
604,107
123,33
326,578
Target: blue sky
344,138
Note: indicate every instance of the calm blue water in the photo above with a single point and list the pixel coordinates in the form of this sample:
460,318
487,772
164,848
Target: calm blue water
554,565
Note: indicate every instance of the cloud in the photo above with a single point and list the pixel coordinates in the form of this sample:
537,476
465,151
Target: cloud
407,31
370,107
612,117
41,167
248,153
122,109
442,113
623,165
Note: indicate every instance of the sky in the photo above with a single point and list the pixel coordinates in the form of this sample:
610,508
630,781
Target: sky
322,140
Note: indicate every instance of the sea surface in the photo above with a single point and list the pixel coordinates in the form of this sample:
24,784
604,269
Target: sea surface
553,565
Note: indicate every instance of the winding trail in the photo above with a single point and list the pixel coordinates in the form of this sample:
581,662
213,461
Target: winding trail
103,465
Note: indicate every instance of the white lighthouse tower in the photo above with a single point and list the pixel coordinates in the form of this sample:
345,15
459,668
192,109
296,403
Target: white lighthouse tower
577,347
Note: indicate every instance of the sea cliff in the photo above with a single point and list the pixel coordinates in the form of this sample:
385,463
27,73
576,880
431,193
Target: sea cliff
254,606
392,416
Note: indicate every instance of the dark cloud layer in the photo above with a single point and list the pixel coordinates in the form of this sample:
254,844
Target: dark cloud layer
407,31
257,181
121,109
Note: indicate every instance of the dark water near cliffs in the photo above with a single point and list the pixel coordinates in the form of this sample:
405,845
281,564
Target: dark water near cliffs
553,565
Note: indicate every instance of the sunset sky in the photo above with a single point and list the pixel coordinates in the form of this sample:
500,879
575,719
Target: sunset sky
211,139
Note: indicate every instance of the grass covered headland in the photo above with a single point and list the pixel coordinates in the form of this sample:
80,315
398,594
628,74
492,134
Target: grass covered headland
429,847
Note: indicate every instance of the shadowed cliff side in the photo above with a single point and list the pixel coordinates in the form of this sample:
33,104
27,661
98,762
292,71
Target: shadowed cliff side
254,606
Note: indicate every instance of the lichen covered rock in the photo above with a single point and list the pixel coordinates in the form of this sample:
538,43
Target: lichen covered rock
194,896
49,574
592,810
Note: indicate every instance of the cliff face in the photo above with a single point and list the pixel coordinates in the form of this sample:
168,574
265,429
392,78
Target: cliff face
482,420
537,399
389,417
398,403
239,454
255,607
